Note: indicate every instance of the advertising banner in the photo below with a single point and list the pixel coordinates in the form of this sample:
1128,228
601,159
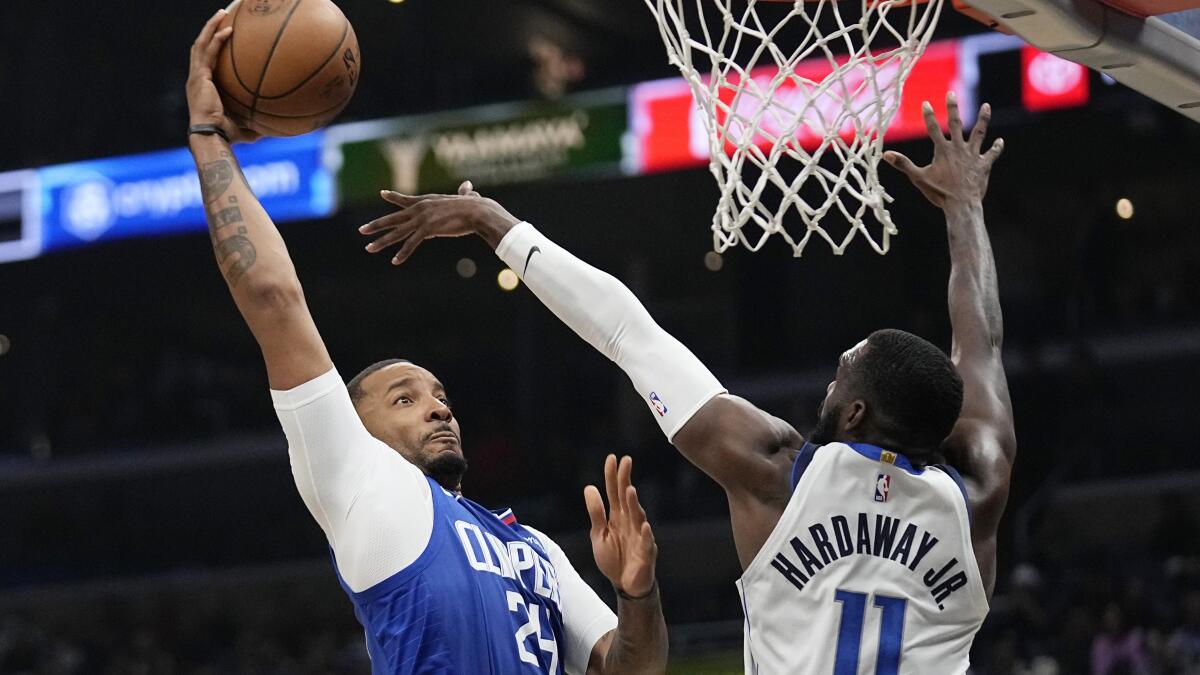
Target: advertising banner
159,193
490,145
20,225
667,129
1049,81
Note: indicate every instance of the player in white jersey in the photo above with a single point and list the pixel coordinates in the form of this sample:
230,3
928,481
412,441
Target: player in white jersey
441,585
863,550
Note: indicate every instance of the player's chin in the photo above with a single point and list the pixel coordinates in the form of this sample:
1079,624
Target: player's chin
441,445
445,464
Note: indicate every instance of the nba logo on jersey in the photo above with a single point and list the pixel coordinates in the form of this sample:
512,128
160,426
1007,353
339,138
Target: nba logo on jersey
883,485
658,405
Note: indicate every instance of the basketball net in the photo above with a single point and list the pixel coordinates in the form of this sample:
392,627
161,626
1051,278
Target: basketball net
825,103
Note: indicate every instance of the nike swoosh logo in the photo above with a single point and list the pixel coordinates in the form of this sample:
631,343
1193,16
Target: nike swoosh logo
529,257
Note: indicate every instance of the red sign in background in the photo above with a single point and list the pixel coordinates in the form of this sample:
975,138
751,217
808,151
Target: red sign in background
668,131
1048,81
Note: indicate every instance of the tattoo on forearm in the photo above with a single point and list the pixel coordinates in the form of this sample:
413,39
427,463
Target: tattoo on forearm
235,254
224,217
215,178
240,245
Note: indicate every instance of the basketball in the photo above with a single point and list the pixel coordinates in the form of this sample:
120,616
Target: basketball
290,66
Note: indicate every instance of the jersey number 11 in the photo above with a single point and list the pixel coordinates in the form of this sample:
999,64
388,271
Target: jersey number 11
849,643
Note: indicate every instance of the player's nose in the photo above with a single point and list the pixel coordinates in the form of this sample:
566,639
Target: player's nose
439,412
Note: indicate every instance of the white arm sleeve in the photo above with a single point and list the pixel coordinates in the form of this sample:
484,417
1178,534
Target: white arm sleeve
375,507
606,314
586,618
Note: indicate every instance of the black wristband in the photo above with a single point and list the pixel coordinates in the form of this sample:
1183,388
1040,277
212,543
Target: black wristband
625,596
208,130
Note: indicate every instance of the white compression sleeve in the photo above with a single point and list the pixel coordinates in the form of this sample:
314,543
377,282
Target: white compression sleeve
375,507
585,616
606,314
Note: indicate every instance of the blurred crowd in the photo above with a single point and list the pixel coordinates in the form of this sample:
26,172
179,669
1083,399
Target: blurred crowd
284,629
1095,619
1111,618
26,649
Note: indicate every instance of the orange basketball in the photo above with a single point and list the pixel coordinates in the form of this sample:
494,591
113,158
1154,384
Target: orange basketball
290,66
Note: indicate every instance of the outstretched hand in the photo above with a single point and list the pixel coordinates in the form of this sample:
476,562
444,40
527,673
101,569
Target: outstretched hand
960,169
424,217
622,542
204,103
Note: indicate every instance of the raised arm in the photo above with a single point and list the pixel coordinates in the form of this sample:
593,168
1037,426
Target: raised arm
625,551
333,457
738,445
983,443
249,250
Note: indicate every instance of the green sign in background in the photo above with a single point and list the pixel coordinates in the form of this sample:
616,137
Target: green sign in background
490,145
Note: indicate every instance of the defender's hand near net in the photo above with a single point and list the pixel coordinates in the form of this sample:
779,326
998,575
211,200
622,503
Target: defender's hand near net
424,217
622,542
204,103
960,169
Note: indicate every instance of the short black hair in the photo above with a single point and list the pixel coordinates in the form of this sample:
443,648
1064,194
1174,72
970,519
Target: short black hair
914,385
354,386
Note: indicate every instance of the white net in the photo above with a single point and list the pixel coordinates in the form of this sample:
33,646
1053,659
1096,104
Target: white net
796,108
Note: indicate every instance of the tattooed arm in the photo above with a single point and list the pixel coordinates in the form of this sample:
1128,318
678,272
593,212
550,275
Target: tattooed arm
249,250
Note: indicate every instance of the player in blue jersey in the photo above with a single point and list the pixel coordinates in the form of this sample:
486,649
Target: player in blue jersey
441,585
864,543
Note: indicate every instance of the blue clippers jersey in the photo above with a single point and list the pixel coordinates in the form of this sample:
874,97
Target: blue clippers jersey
481,599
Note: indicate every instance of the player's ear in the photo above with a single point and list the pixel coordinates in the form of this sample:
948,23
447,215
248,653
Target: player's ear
855,413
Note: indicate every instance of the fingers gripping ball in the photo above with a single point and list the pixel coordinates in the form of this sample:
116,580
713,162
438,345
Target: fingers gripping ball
290,66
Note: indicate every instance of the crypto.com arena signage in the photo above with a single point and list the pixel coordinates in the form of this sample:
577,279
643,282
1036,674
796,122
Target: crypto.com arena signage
159,193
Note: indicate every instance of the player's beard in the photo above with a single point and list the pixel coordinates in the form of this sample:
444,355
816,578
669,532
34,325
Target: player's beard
444,465
826,428
447,468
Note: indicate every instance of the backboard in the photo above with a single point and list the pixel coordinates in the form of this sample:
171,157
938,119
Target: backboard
1150,46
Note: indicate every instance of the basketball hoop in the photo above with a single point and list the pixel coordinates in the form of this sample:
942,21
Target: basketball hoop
803,101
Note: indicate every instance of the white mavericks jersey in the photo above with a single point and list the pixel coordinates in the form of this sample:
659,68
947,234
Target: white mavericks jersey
870,571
